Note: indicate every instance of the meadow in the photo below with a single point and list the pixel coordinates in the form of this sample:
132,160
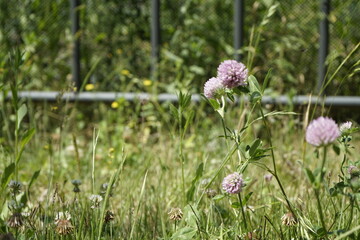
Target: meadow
225,166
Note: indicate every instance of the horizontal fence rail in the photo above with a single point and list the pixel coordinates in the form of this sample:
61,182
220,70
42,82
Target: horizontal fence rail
349,101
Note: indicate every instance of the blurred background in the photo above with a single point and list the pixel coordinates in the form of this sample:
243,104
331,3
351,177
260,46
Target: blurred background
196,35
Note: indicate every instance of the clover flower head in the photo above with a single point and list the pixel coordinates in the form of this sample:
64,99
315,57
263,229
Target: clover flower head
62,216
16,220
15,187
344,127
109,216
233,183
213,88
322,131
95,199
232,73
175,214
288,219
64,227
268,177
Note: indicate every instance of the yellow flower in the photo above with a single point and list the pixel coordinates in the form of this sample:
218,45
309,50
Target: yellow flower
114,105
89,87
119,51
147,82
125,72
111,152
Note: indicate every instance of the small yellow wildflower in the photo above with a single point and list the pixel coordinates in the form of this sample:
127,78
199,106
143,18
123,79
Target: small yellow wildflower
54,108
147,82
89,87
125,72
114,105
119,51
111,152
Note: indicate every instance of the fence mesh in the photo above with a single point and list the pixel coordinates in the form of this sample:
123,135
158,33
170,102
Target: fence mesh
196,35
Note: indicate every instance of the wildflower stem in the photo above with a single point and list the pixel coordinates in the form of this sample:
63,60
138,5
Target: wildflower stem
352,200
319,207
269,139
344,159
274,172
242,212
322,173
317,192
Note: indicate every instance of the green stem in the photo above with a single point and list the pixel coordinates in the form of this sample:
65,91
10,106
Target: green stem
322,173
274,173
351,213
320,211
181,155
344,160
242,212
269,139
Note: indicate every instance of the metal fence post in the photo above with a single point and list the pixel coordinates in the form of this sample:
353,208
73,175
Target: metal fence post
324,43
238,27
155,36
75,27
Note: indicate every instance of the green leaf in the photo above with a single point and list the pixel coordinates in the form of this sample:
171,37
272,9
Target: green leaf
21,114
34,177
254,147
218,197
174,112
9,170
198,175
336,149
255,96
184,233
254,85
247,197
310,175
27,137
241,89
231,97
235,205
215,104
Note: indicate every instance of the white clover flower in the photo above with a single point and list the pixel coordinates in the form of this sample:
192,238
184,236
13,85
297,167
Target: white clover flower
95,199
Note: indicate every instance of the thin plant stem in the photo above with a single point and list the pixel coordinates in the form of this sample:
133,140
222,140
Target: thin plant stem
317,192
274,172
182,156
351,212
323,165
95,139
242,212
320,211
344,159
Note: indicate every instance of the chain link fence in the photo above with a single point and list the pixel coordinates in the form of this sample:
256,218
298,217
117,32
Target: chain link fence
195,36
